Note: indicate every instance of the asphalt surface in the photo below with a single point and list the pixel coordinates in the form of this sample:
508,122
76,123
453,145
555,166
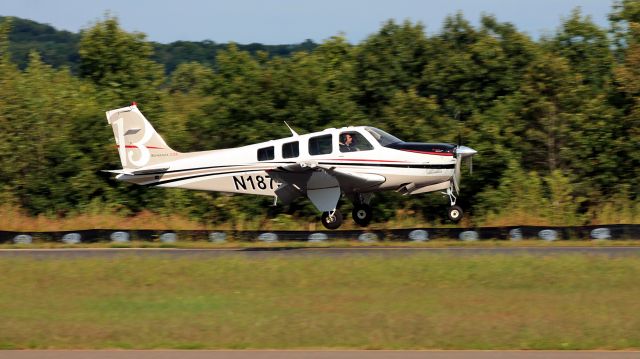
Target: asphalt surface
312,354
292,251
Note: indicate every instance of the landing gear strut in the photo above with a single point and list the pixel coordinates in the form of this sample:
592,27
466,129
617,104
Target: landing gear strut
332,219
454,212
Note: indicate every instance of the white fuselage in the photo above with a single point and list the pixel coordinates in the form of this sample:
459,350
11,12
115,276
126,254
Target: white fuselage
244,169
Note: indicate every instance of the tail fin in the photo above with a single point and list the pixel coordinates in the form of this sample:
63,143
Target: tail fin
139,145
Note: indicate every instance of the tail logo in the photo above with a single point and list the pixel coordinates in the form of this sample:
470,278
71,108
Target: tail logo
127,152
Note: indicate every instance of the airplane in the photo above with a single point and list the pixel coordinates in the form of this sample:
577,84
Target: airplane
354,161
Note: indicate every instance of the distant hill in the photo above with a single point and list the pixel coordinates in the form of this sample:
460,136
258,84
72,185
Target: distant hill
175,53
60,48
57,48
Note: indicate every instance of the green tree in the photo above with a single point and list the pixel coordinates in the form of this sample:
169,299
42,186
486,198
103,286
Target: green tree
627,80
519,197
563,204
587,48
468,68
119,64
49,172
408,111
238,108
191,78
549,99
625,12
392,59
11,124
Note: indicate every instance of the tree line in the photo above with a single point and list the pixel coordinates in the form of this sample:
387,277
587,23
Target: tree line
59,48
556,120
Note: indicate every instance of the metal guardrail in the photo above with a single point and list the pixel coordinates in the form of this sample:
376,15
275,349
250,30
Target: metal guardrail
514,233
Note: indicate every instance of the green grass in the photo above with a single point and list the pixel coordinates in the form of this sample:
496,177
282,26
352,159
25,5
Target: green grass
415,302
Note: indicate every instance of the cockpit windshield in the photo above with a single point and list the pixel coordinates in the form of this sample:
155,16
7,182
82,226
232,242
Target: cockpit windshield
384,138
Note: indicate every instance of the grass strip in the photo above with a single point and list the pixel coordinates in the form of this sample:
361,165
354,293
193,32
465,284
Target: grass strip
420,301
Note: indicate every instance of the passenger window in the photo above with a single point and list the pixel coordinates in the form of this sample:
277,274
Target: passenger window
290,150
320,145
265,154
353,141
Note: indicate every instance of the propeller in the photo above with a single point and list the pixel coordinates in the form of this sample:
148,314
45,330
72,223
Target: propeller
461,152
456,176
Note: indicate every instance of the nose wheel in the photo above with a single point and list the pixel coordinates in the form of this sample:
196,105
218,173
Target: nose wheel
332,219
362,214
454,213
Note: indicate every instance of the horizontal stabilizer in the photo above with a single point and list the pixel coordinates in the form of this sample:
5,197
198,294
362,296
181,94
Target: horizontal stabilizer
119,172
138,173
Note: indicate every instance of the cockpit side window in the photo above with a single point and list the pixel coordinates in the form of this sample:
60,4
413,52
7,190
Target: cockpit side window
351,141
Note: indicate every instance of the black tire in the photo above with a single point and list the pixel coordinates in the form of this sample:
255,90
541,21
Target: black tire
362,214
333,223
455,213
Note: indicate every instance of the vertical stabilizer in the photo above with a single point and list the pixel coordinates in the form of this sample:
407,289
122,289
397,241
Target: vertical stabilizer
139,145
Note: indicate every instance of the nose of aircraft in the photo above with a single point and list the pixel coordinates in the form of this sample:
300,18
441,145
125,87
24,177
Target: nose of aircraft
465,151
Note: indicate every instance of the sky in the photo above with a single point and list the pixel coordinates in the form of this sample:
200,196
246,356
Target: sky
293,21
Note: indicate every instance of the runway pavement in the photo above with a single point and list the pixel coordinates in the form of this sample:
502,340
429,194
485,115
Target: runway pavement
294,251
313,354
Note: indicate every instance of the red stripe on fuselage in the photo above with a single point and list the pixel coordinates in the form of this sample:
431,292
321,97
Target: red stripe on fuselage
363,160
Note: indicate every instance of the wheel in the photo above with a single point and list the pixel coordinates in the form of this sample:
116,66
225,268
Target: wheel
362,214
455,213
332,222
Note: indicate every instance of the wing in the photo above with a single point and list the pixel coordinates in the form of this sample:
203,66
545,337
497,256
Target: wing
321,184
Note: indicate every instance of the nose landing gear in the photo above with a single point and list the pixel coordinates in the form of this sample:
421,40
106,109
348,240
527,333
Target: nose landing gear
454,212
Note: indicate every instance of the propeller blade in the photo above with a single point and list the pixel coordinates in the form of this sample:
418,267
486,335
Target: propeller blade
456,175
461,153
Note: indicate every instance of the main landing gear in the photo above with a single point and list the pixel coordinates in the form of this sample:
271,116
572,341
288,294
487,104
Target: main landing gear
362,213
454,212
332,219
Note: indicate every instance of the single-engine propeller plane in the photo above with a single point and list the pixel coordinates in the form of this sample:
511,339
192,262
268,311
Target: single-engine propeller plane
322,166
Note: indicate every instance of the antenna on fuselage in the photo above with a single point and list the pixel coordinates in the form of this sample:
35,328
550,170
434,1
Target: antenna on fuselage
294,133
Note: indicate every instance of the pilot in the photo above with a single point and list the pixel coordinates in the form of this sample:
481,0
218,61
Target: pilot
347,143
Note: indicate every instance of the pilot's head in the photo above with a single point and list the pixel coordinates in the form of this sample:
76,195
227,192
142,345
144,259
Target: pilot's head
347,139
